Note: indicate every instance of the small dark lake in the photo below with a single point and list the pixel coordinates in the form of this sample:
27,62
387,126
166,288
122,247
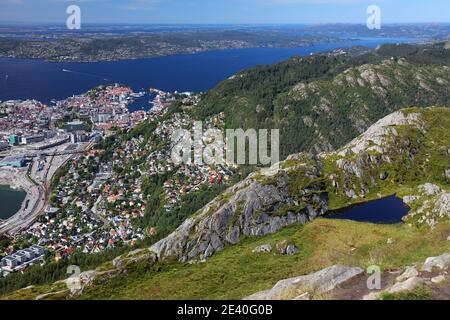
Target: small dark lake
388,210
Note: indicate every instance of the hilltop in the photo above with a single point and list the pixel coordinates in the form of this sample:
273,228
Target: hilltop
321,102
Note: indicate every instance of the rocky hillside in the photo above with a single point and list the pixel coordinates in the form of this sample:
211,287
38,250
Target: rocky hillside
321,102
338,109
427,281
407,152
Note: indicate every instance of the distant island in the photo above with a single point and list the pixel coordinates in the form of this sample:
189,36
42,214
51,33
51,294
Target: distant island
104,46
113,43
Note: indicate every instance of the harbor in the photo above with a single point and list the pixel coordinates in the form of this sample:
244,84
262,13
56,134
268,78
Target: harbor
11,201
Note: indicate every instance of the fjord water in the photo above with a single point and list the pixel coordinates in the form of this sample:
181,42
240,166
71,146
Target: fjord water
36,79
388,210
10,201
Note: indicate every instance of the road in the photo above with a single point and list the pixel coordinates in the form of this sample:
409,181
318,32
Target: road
38,189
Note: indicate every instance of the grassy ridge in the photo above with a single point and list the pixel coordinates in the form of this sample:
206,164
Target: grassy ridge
237,272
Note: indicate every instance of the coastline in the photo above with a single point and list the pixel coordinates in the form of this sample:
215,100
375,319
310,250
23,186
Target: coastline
7,187
182,52
17,181
37,193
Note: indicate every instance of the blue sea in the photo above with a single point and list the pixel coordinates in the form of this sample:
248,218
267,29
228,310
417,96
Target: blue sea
10,201
44,81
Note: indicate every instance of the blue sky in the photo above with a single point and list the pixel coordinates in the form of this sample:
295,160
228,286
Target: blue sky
224,11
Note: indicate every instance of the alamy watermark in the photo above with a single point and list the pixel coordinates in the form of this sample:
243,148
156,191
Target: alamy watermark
74,281
230,147
73,22
374,19
374,279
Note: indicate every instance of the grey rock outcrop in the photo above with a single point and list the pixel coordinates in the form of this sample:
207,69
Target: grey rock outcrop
134,257
410,272
439,279
412,279
250,208
304,296
407,285
285,247
292,249
375,137
265,202
433,204
320,282
441,262
442,206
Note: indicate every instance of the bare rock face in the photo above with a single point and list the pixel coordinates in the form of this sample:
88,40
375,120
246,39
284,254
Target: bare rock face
134,257
372,296
412,279
320,282
250,208
375,137
304,296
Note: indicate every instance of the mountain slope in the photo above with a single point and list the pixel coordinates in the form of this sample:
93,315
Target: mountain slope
323,101
406,153
397,154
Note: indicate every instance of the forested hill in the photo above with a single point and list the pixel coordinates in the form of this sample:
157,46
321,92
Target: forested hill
323,101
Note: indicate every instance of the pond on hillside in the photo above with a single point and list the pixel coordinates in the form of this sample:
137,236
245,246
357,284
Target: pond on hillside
388,210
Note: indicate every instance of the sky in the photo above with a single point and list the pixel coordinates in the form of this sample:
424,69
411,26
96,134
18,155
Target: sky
223,11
